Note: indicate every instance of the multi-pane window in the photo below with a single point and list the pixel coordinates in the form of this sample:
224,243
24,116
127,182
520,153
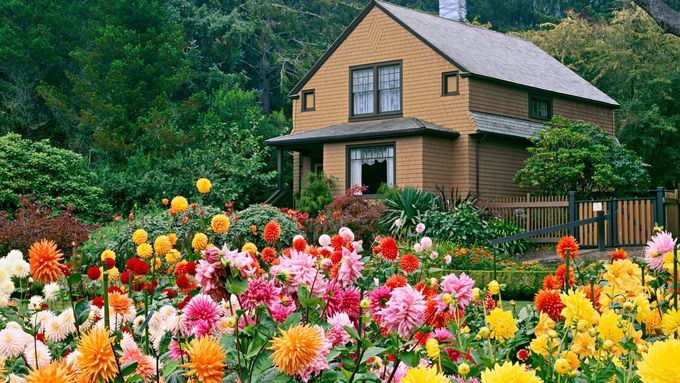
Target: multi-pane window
371,166
540,107
376,90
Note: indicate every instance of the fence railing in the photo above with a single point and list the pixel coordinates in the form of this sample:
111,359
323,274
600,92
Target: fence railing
630,221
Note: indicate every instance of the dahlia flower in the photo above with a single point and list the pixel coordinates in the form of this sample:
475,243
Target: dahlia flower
261,291
206,360
423,374
44,261
578,307
404,310
337,333
502,324
459,288
656,248
96,359
13,341
220,224
350,267
549,302
200,315
659,363
346,234
379,298
509,372
37,355
300,351
272,232
203,185
179,204
301,270
206,276
325,240
53,372
146,365
567,243
241,261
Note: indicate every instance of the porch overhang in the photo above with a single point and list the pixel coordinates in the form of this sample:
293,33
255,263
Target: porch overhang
364,130
495,125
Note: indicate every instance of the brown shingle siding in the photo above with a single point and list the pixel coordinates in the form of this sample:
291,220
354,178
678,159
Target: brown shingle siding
499,161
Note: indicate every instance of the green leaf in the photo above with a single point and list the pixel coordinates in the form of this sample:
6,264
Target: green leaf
82,311
74,279
371,352
410,358
129,368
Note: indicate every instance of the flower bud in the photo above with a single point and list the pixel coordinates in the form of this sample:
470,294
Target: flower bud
447,298
463,369
484,332
365,304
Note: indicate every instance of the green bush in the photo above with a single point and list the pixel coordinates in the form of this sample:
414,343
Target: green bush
463,225
500,228
258,216
519,284
408,206
56,176
316,193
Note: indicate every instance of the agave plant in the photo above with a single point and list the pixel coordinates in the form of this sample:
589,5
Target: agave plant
406,208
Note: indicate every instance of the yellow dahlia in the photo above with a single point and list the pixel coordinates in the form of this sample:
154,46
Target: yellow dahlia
172,256
659,364
510,373
108,254
544,345
297,348
432,348
249,247
653,321
96,359
421,374
173,238
578,307
44,259
609,327
144,250
53,372
623,275
503,326
179,204
583,345
162,245
199,242
140,236
544,324
206,360
670,322
203,185
220,224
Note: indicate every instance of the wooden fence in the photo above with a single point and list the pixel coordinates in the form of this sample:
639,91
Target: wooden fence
630,220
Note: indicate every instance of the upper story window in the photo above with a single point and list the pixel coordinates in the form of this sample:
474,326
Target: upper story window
450,82
308,100
375,90
540,107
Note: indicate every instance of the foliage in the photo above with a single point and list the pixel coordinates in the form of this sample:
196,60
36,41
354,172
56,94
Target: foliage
520,284
463,225
406,207
361,215
500,228
35,220
315,194
578,156
631,59
250,222
56,176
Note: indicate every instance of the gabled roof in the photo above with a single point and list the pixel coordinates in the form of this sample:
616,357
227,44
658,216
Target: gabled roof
394,127
483,53
505,126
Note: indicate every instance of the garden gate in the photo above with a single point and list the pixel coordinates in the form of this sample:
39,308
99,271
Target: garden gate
630,221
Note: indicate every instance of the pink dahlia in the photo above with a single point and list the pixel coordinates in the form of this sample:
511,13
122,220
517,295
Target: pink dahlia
346,234
337,334
280,312
260,292
460,289
350,267
404,311
200,315
211,254
657,247
301,269
176,351
342,301
378,298
146,365
242,262
206,276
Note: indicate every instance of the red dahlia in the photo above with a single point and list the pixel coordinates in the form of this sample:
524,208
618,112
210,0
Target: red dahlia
337,242
94,273
618,254
141,268
549,302
396,280
567,243
409,263
182,282
389,249
299,244
272,231
268,255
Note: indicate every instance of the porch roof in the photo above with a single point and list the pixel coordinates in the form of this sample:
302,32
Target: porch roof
394,127
505,126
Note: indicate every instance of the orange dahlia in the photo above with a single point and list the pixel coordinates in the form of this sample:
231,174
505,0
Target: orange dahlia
396,280
268,255
409,263
560,276
96,359
549,302
120,303
44,258
220,224
53,372
206,360
618,254
272,231
297,348
567,243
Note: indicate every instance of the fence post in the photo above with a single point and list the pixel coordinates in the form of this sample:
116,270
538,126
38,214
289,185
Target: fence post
572,212
600,230
660,209
613,222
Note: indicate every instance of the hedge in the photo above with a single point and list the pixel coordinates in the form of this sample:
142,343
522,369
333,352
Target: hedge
519,285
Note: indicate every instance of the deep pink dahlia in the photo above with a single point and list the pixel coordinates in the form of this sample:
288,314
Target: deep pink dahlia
379,298
657,247
260,292
200,315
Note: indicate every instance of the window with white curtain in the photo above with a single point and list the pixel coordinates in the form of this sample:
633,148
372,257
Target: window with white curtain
376,90
371,166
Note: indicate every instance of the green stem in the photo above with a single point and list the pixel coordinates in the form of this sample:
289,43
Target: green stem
105,277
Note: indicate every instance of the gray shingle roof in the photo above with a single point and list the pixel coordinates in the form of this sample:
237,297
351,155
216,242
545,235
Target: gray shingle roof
505,126
394,127
495,55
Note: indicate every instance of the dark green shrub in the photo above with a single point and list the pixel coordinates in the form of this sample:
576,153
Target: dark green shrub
360,214
463,225
316,193
58,177
500,228
407,206
253,219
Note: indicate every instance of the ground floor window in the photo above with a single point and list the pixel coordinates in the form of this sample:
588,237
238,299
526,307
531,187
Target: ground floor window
371,166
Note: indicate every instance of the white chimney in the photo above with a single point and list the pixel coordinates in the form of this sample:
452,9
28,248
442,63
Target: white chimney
455,10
